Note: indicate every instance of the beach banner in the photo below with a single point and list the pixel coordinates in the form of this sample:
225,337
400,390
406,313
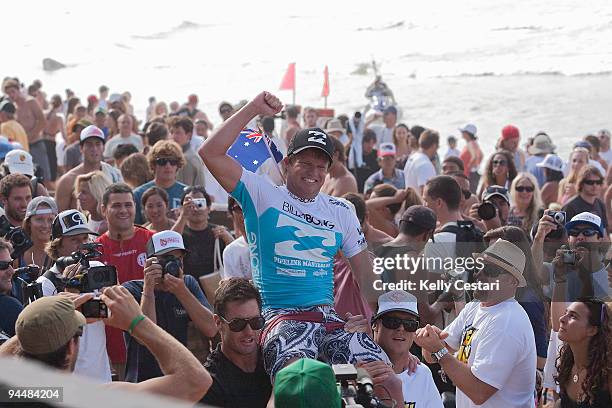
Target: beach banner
325,91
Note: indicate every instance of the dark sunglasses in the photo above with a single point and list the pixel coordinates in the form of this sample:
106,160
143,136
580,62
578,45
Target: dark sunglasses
466,194
499,162
392,323
162,161
5,265
492,271
499,190
593,182
588,232
525,189
238,325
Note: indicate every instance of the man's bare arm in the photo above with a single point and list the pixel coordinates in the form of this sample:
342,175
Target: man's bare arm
63,193
41,121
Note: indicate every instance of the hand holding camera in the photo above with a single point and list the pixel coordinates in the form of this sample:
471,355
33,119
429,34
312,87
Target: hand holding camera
122,305
563,257
153,273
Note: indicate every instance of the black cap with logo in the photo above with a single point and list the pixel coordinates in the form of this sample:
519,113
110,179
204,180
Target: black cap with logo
311,138
70,222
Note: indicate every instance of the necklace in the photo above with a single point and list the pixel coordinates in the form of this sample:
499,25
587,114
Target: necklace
575,378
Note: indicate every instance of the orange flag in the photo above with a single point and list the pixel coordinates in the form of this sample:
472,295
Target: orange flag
325,91
288,82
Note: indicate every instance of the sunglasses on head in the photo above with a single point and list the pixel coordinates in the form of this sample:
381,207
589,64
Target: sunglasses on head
466,194
5,264
499,162
499,190
410,325
238,325
587,232
525,189
162,161
599,182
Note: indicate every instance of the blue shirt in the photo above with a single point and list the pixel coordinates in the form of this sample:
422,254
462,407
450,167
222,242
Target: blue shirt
171,316
538,172
174,197
9,310
398,180
293,241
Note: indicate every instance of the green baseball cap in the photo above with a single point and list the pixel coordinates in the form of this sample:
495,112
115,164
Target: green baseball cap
47,324
306,383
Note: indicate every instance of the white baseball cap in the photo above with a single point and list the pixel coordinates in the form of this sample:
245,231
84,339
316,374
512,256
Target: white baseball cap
586,218
92,131
396,300
552,162
19,162
469,128
164,242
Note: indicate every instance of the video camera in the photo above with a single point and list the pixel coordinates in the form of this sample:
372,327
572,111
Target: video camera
20,241
356,387
30,290
83,255
91,278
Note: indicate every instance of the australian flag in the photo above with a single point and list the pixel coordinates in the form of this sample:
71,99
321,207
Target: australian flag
250,150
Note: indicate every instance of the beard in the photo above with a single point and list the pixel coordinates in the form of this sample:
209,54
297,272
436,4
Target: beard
14,214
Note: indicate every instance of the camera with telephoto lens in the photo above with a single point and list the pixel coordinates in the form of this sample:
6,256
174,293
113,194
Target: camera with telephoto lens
83,255
95,308
487,211
356,387
170,265
93,278
569,257
20,241
26,277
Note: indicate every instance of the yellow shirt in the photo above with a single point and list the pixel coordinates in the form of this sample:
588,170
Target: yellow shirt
15,133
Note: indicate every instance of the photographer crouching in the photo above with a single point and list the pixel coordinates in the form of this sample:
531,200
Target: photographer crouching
168,298
49,331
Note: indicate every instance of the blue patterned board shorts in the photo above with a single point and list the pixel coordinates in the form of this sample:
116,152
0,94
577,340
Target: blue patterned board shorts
296,339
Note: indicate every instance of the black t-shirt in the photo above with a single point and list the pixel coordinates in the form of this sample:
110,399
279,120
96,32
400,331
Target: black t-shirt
200,245
370,167
9,310
577,205
234,388
171,316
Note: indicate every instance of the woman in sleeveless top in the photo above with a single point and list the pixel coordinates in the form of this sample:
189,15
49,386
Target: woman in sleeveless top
472,157
500,171
585,360
405,143
567,186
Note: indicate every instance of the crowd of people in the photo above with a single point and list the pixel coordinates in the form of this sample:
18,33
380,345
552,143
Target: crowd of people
449,278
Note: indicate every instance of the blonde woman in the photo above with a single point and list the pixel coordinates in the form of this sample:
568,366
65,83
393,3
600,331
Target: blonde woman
526,202
567,186
89,189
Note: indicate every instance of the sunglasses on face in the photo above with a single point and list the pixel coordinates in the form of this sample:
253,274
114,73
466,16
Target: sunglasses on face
466,194
499,162
162,161
593,182
589,232
492,272
524,189
4,265
238,325
393,323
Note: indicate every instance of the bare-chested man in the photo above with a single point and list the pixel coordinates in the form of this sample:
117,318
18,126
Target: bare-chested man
293,126
32,118
55,125
92,146
339,180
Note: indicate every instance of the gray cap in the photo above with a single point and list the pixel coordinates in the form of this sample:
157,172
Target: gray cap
36,207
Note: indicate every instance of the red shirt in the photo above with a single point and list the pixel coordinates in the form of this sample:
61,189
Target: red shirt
347,293
129,258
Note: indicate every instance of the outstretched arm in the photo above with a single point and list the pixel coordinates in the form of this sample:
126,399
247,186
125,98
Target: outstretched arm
214,150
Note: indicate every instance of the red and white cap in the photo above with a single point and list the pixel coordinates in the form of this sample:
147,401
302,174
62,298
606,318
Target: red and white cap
386,149
163,242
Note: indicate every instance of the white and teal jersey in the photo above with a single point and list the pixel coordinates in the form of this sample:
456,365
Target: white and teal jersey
293,241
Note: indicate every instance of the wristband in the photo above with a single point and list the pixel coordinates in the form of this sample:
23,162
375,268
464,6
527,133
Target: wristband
135,322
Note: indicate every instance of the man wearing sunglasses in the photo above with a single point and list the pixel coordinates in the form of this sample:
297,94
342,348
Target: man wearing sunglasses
236,366
395,327
167,297
9,306
165,159
590,184
581,272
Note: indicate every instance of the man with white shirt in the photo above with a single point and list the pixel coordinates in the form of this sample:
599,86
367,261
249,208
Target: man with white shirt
489,351
236,256
394,328
384,132
604,145
419,168
125,136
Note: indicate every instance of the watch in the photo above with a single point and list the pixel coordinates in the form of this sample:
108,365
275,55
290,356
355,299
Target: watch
440,353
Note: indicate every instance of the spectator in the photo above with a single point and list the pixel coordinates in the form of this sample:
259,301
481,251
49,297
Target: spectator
10,306
525,196
384,131
452,164
510,141
419,167
467,198
225,110
236,255
388,173
236,366
122,152
135,170
394,327
155,132
92,145
471,154
339,180
310,117
452,148
155,207
9,127
201,238
37,223
100,120
167,297
89,189
181,131
165,159
604,144
39,339
19,161
579,158
553,174
495,361
306,383
404,143
293,126
594,155
126,136
72,153
589,183
15,195
383,205
369,159
540,147
500,171
498,196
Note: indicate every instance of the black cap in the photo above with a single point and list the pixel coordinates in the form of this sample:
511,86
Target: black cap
311,138
420,216
7,106
70,222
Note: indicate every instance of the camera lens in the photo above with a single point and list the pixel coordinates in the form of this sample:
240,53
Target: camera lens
486,211
559,218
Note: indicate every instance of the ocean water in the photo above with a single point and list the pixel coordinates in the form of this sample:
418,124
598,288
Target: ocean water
543,65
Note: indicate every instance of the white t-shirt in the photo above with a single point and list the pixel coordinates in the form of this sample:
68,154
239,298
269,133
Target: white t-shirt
418,170
607,156
383,134
92,360
196,142
419,389
112,143
498,345
237,260
452,153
